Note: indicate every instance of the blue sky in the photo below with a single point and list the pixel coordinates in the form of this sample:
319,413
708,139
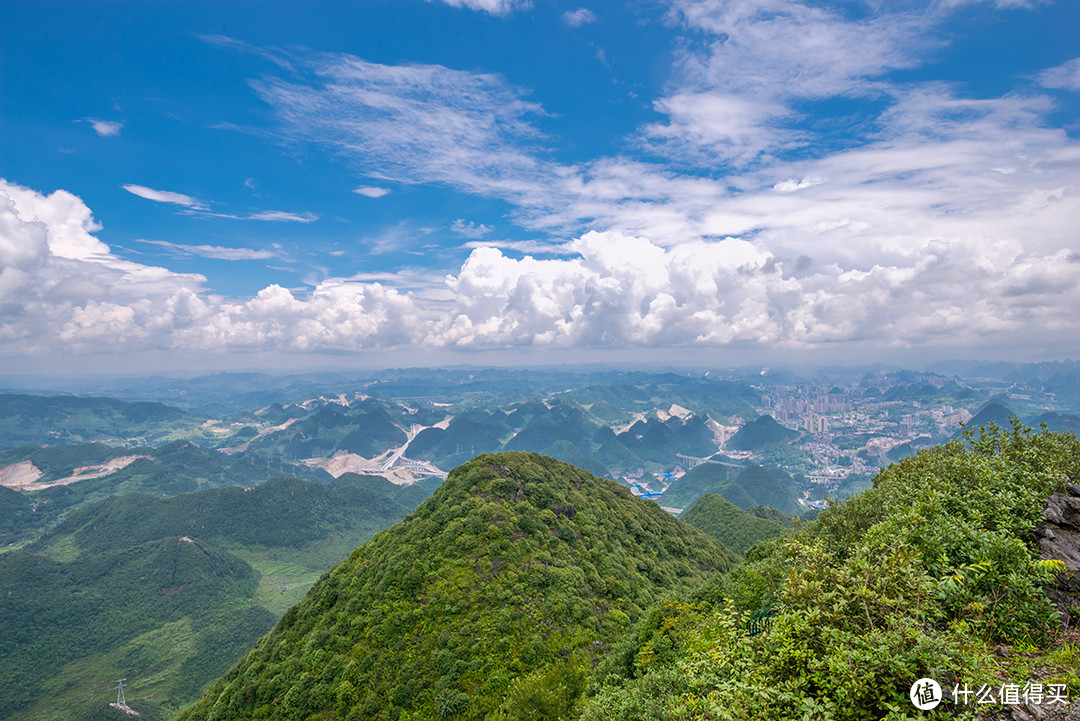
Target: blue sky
283,184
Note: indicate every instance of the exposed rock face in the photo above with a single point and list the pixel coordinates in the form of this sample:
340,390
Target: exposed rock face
1059,538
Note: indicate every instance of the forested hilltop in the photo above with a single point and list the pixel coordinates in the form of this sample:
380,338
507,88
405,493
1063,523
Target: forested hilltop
527,589
496,596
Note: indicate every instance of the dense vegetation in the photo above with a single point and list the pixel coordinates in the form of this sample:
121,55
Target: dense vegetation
56,613
736,529
492,599
922,575
170,592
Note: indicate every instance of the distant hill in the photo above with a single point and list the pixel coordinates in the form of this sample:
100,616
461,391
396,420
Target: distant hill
1064,422
365,428
175,468
751,486
991,413
772,488
758,434
57,613
283,512
170,592
734,528
771,514
699,480
40,420
490,598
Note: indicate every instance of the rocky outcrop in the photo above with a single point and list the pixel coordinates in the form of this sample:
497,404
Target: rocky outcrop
1059,538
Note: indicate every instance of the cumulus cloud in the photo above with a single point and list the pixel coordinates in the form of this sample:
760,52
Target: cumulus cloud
579,17
792,184
165,196
62,289
105,128
799,283
371,191
56,274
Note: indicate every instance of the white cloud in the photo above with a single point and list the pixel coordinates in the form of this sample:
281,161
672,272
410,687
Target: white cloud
1002,4
792,184
470,229
213,251
105,128
200,207
63,290
56,274
579,17
281,216
834,264
495,7
372,191
734,95
944,220
165,196
540,247
412,123
1065,76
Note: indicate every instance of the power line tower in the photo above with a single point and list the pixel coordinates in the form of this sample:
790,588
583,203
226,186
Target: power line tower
120,700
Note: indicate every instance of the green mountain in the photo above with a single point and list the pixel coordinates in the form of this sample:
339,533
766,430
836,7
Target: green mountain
760,433
732,527
934,572
751,486
1059,422
58,614
170,592
772,488
701,479
490,599
992,412
283,512
366,428
38,420
771,514
175,468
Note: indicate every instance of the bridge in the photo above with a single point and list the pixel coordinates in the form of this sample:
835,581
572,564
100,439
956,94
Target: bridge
692,461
